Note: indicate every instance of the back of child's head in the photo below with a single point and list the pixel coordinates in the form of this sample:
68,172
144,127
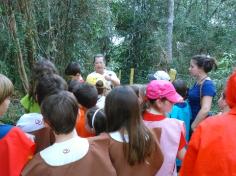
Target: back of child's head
100,86
123,113
96,119
181,87
44,66
48,85
86,94
121,107
60,112
72,84
41,67
136,88
73,68
6,88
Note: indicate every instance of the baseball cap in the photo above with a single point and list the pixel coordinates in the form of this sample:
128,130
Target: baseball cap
158,89
30,122
159,75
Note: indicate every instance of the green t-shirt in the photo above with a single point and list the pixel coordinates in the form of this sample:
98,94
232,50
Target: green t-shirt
29,104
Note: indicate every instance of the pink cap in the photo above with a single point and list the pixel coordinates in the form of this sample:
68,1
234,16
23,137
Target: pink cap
158,89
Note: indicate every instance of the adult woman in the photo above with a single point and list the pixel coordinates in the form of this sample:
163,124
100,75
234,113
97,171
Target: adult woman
201,94
133,148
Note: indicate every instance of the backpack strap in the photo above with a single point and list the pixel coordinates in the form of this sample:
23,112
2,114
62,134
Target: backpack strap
201,84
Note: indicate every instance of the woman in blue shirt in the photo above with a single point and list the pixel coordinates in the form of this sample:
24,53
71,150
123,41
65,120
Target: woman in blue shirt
201,94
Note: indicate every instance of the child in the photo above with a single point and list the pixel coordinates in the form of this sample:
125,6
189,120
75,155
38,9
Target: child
182,110
70,155
133,148
73,71
162,95
95,120
86,96
15,148
102,92
33,122
102,87
211,150
41,67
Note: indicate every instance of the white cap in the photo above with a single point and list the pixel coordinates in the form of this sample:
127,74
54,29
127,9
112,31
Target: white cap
159,75
30,122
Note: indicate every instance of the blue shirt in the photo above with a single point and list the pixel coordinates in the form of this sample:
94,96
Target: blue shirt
182,112
4,129
208,89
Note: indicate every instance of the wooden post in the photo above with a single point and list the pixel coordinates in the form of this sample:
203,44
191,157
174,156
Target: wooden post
131,80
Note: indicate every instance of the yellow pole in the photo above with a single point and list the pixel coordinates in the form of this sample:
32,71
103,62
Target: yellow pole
131,81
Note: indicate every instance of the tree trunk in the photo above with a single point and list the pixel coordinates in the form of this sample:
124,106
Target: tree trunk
170,30
20,62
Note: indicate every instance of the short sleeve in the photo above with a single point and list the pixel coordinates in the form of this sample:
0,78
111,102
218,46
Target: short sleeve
208,88
25,102
183,141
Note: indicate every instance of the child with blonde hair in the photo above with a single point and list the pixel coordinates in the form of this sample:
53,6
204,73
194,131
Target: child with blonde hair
13,142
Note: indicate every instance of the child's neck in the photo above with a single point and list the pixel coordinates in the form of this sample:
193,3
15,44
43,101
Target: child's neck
154,111
63,137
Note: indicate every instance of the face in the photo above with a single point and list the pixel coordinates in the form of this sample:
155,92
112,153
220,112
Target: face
99,65
77,77
4,106
164,106
193,68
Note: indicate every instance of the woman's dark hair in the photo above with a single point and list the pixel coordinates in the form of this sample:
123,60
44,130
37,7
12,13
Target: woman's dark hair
123,113
205,62
96,119
72,69
41,67
180,87
86,94
60,112
48,85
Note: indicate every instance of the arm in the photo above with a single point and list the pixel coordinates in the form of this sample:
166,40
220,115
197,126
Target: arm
202,114
181,154
115,81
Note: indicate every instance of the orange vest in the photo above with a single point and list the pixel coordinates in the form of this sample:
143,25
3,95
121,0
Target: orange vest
80,124
15,151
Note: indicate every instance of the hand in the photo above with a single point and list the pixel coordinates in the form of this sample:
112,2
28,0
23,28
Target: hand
193,126
108,77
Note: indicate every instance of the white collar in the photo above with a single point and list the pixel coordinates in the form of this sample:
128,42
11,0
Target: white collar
66,152
117,136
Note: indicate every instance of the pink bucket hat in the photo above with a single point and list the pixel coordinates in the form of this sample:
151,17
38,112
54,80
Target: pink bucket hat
158,89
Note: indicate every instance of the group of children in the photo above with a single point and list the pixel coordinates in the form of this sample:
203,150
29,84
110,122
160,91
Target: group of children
65,133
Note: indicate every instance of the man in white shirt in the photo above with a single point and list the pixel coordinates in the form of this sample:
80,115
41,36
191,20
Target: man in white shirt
99,66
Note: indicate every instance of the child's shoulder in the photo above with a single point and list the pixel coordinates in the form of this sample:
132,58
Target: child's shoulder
4,129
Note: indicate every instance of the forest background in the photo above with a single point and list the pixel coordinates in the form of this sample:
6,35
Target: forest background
146,35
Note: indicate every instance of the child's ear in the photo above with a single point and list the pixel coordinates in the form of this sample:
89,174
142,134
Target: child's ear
158,103
46,123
